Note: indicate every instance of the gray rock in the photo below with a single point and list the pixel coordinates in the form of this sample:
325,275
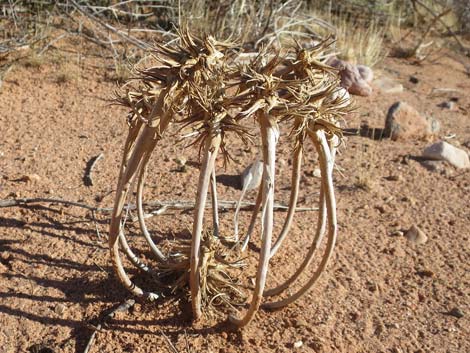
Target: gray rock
416,235
442,150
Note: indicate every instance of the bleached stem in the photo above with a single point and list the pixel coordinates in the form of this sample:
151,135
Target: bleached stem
320,231
146,141
140,209
254,215
269,134
215,203
326,167
211,148
297,163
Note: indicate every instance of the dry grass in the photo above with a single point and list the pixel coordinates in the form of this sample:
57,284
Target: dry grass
368,159
360,43
122,71
64,77
33,60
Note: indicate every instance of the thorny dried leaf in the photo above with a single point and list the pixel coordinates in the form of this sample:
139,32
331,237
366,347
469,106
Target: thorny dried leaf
202,85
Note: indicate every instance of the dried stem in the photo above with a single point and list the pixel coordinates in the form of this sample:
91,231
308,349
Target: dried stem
211,148
326,167
269,134
297,163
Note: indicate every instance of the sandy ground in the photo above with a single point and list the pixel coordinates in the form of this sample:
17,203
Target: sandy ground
380,292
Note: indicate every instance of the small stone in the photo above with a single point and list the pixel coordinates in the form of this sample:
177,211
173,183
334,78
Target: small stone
317,173
276,336
59,309
416,235
5,258
300,323
405,122
372,286
434,125
396,233
381,209
447,105
456,312
393,177
30,178
389,86
442,150
354,316
389,199
414,79
426,273
180,161
298,344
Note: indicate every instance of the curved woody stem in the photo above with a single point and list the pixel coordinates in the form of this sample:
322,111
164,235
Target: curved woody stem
297,163
326,166
211,148
269,134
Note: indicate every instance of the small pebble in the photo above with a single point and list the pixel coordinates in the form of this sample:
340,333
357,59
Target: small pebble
298,344
447,105
393,177
426,273
59,309
30,178
181,163
381,209
414,79
416,235
300,323
456,312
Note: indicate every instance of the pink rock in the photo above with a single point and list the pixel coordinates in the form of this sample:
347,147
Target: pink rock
405,122
351,77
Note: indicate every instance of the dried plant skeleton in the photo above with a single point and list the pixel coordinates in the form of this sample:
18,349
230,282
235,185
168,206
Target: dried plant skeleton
200,84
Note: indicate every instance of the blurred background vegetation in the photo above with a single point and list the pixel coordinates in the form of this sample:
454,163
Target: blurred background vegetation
365,30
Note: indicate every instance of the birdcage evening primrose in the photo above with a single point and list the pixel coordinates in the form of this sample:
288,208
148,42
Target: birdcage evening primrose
205,85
